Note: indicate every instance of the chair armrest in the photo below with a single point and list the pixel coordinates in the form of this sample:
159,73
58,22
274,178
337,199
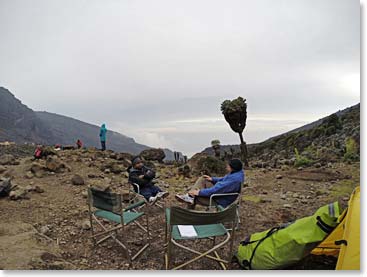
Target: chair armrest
135,205
221,194
137,187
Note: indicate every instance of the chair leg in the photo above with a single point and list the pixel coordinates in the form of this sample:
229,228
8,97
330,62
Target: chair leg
168,255
231,242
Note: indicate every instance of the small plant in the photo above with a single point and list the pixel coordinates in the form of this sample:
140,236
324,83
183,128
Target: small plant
300,160
351,150
216,147
211,165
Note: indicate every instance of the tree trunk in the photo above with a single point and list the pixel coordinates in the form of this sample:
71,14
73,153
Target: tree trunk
243,147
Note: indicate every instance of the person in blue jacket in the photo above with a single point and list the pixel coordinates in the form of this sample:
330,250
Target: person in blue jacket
102,136
205,186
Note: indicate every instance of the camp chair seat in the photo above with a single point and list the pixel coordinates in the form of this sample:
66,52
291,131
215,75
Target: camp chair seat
127,216
203,231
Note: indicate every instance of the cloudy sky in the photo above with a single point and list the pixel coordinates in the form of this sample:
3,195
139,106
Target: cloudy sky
159,70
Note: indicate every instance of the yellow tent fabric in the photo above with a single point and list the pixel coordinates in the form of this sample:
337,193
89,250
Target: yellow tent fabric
349,257
347,231
328,246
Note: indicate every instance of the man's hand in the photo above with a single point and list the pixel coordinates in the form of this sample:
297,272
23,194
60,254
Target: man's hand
141,176
206,177
194,192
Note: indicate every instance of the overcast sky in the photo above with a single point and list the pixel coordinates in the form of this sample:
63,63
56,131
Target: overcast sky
158,70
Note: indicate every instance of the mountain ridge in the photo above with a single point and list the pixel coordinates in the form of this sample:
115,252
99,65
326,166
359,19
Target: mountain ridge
21,124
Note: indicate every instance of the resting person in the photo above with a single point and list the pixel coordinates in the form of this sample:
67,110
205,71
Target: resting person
143,176
206,186
79,144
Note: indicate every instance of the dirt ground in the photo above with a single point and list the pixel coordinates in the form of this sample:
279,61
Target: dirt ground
270,197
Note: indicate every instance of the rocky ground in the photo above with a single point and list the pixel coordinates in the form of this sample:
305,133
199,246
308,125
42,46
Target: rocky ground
44,221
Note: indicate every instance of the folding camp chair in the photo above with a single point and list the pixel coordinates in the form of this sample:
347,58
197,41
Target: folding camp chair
208,225
109,206
160,203
212,202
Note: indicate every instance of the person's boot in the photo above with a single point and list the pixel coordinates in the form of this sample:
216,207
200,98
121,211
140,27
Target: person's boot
185,198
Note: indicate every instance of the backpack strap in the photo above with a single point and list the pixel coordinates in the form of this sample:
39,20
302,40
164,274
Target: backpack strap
247,263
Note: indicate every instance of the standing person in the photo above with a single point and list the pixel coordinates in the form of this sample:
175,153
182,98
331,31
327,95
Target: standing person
102,136
205,186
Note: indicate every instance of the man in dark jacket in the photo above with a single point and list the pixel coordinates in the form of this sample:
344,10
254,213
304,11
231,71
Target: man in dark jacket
205,186
143,176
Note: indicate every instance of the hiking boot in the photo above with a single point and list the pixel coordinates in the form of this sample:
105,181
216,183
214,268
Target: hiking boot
152,200
162,194
185,198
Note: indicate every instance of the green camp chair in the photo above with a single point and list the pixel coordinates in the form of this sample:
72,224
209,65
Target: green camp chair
208,225
212,202
109,206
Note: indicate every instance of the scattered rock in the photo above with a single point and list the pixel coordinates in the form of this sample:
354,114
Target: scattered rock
85,194
38,189
318,193
5,186
45,230
184,170
153,154
85,224
279,176
37,170
19,193
77,180
2,169
8,159
116,168
92,175
53,164
29,175
287,206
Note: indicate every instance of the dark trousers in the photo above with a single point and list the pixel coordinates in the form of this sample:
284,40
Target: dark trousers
149,191
103,144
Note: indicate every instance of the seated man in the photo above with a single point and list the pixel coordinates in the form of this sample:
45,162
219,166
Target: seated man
143,176
205,186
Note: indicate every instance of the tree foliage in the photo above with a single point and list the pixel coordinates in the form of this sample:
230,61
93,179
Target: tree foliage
235,113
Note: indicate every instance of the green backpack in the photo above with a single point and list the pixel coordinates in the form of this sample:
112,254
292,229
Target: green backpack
286,244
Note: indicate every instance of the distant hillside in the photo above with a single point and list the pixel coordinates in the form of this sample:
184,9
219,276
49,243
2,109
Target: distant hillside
324,139
67,130
21,124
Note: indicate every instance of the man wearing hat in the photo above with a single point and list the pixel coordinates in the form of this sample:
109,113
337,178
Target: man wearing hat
143,176
205,186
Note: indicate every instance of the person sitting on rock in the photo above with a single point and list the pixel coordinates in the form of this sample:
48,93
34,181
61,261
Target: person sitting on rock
206,186
38,153
143,176
79,143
